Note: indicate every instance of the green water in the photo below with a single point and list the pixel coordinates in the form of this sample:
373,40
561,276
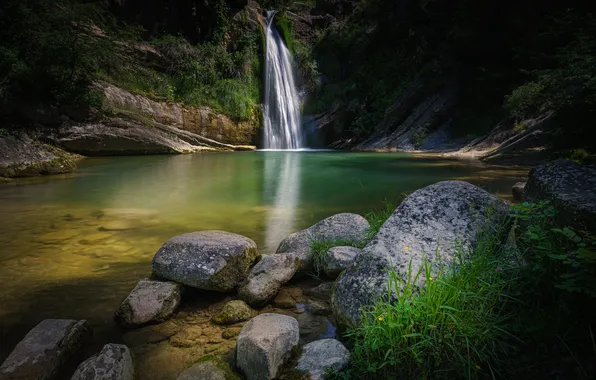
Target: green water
73,246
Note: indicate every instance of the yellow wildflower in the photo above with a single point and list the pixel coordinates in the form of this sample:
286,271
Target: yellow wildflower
430,278
381,319
407,247
477,367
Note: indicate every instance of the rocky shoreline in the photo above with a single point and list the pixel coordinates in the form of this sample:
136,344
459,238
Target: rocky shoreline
214,308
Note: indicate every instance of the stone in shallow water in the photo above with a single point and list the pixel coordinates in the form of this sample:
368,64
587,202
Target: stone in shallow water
233,312
287,298
114,362
149,301
321,355
210,369
337,259
518,191
151,333
267,277
210,260
570,187
444,218
264,344
45,349
339,227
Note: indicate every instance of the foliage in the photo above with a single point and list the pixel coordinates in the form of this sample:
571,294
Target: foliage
566,256
49,50
286,30
225,78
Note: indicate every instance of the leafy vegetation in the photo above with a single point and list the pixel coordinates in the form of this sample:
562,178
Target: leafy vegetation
532,58
519,310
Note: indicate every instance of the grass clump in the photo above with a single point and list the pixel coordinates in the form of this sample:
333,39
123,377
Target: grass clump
452,328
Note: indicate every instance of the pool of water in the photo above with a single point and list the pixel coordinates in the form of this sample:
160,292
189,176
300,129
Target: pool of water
73,246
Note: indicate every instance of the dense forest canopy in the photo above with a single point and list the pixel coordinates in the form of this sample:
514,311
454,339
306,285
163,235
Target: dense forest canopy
504,59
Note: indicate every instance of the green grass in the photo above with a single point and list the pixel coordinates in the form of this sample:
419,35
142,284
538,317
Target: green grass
455,327
509,311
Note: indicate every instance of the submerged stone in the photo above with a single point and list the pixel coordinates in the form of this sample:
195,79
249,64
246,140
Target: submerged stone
209,260
211,368
233,312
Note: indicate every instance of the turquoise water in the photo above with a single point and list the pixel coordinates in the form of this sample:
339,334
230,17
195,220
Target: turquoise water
73,246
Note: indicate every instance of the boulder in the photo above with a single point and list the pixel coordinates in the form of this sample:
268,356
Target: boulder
337,228
114,362
337,259
211,368
264,344
321,355
438,223
149,301
233,312
267,277
518,191
45,349
570,187
22,156
209,260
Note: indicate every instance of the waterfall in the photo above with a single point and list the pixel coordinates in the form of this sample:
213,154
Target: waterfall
281,113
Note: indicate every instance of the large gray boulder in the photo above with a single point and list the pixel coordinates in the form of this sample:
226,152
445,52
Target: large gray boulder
211,369
439,222
114,362
321,355
337,259
45,349
264,344
149,301
339,228
570,187
209,260
267,277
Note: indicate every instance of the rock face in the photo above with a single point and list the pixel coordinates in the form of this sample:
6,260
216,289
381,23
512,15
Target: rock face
114,362
210,260
337,259
22,156
199,120
149,301
264,343
233,312
321,355
339,227
446,217
518,191
267,277
44,349
570,187
212,369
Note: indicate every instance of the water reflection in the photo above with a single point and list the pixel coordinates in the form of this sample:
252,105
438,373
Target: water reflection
281,188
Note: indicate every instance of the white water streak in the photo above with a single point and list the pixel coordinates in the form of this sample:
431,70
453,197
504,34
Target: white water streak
281,114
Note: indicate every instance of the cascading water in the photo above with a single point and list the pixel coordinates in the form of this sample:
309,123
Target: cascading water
281,114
